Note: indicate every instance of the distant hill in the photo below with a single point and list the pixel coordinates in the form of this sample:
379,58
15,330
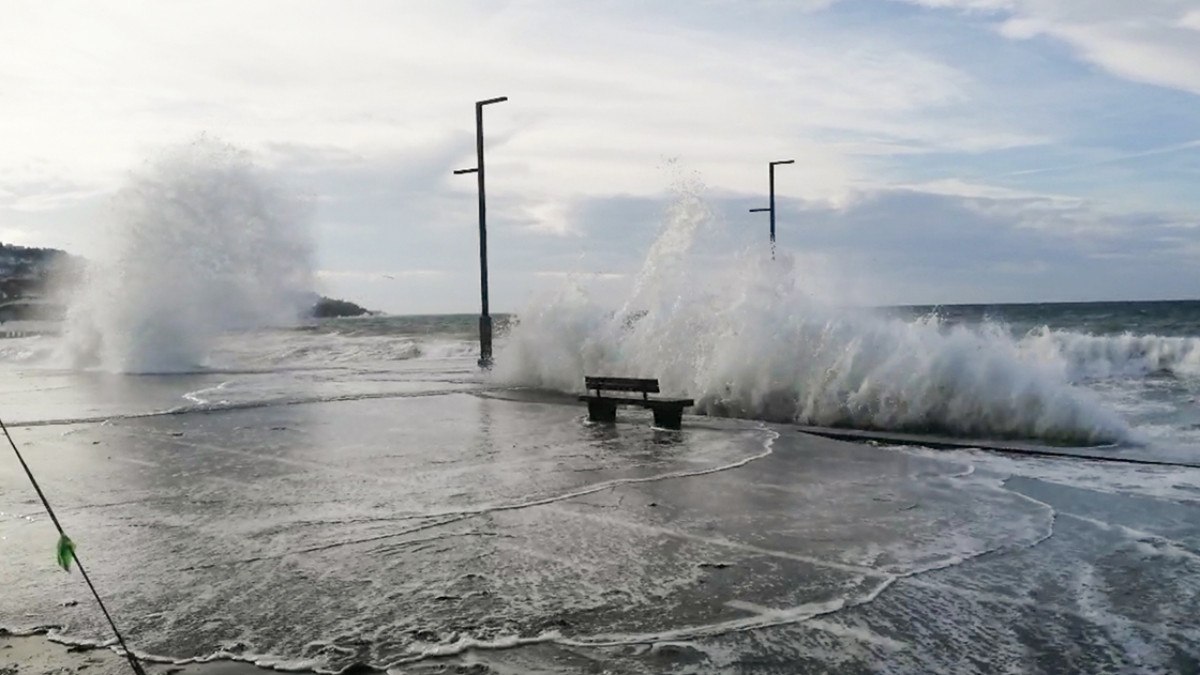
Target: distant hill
16,260
327,308
30,279
26,273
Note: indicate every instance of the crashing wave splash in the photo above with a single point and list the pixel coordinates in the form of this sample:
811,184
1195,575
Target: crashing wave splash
745,339
203,242
1092,357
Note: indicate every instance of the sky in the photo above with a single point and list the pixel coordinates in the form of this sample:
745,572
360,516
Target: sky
946,150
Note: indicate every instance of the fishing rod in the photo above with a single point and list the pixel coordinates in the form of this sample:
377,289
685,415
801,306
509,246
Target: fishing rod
66,553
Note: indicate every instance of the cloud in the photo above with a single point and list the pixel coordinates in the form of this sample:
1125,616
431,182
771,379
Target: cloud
26,195
984,245
360,275
594,92
41,186
924,242
593,276
1116,158
910,122
1152,42
18,236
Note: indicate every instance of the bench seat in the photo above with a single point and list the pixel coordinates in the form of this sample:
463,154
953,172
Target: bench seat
668,412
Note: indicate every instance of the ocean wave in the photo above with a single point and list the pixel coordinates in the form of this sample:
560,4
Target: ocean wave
27,350
344,350
267,351
1083,357
745,338
817,367
331,349
202,242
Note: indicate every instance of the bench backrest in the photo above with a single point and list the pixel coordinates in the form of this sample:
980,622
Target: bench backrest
621,384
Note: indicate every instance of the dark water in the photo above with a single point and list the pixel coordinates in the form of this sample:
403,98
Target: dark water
460,326
1167,318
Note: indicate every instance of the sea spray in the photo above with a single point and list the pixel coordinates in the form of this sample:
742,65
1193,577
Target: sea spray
1083,357
202,241
741,336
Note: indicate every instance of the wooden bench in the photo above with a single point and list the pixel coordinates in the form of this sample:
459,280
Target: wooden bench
668,412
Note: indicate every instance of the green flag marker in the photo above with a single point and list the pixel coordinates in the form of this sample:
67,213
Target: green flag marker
66,551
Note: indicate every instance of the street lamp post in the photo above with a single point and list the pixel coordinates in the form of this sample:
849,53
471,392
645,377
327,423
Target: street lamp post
485,319
772,207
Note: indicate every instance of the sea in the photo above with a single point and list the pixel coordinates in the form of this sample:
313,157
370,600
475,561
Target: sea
357,495
357,492
1123,373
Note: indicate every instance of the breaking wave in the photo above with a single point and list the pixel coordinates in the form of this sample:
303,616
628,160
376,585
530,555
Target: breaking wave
1084,357
202,242
745,338
317,349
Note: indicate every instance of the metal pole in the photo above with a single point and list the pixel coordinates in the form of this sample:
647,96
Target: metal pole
772,180
485,318
67,548
771,209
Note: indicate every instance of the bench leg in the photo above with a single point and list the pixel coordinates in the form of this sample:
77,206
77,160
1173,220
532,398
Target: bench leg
602,411
668,418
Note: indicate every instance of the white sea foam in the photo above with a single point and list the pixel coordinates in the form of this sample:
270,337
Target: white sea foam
461,644
26,350
332,349
202,241
1085,357
1169,483
448,349
298,349
742,336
